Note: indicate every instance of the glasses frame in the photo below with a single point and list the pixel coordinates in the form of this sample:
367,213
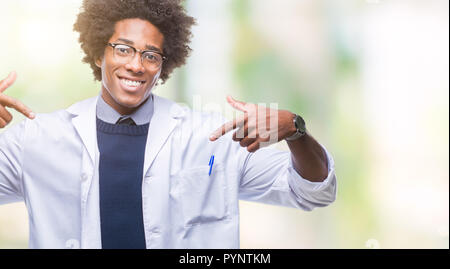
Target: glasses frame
141,52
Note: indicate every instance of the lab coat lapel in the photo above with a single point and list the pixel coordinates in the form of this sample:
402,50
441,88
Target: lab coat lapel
162,124
85,124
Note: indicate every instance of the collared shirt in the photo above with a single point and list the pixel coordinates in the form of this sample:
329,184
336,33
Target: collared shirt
141,116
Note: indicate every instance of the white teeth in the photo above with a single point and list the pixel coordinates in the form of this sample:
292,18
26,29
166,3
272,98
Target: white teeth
131,82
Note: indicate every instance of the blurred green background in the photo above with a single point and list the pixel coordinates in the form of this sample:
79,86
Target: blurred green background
369,76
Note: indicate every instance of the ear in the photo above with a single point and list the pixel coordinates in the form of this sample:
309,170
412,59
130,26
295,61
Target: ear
98,62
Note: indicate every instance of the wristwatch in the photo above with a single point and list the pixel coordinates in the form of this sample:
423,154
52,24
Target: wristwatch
300,126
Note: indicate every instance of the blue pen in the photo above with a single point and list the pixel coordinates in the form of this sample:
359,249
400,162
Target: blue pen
211,163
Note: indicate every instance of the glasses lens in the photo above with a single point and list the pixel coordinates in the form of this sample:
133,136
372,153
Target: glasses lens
152,60
123,52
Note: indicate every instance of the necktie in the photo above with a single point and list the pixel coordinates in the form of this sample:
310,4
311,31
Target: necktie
125,120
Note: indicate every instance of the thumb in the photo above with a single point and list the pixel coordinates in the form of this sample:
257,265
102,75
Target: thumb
239,105
8,81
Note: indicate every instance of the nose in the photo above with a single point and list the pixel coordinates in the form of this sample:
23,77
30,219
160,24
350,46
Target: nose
135,65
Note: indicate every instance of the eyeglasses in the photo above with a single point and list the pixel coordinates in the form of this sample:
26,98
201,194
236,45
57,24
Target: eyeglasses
151,60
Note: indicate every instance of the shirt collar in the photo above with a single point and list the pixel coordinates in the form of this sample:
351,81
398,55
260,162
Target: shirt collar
141,116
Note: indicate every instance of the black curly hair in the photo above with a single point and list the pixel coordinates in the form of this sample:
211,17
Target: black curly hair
97,19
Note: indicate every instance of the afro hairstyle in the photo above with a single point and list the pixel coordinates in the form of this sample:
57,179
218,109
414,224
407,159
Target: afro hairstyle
97,19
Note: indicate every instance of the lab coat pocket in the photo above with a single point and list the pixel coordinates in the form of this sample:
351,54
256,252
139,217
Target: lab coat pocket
199,197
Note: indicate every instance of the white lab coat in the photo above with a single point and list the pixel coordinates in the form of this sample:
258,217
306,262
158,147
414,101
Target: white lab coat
51,163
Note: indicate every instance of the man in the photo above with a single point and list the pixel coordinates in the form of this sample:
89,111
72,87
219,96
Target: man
129,169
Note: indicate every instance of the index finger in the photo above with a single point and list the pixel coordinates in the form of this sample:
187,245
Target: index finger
17,105
225,128
8,81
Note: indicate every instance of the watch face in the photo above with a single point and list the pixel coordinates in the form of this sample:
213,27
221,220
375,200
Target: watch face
300,124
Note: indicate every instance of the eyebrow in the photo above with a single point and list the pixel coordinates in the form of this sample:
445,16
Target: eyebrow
148,47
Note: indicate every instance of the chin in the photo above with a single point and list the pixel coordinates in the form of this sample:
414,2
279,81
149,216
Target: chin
129,102
133,104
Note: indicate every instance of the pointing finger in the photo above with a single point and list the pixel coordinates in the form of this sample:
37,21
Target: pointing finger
8,81
17,105
228,127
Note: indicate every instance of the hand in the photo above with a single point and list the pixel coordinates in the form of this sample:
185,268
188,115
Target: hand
258,127
6,101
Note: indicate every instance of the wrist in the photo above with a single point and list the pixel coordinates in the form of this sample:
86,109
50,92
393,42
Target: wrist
298,128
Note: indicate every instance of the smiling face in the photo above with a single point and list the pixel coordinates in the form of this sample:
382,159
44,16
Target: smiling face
126,86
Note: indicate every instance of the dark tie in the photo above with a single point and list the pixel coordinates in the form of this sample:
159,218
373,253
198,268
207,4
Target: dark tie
125,120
